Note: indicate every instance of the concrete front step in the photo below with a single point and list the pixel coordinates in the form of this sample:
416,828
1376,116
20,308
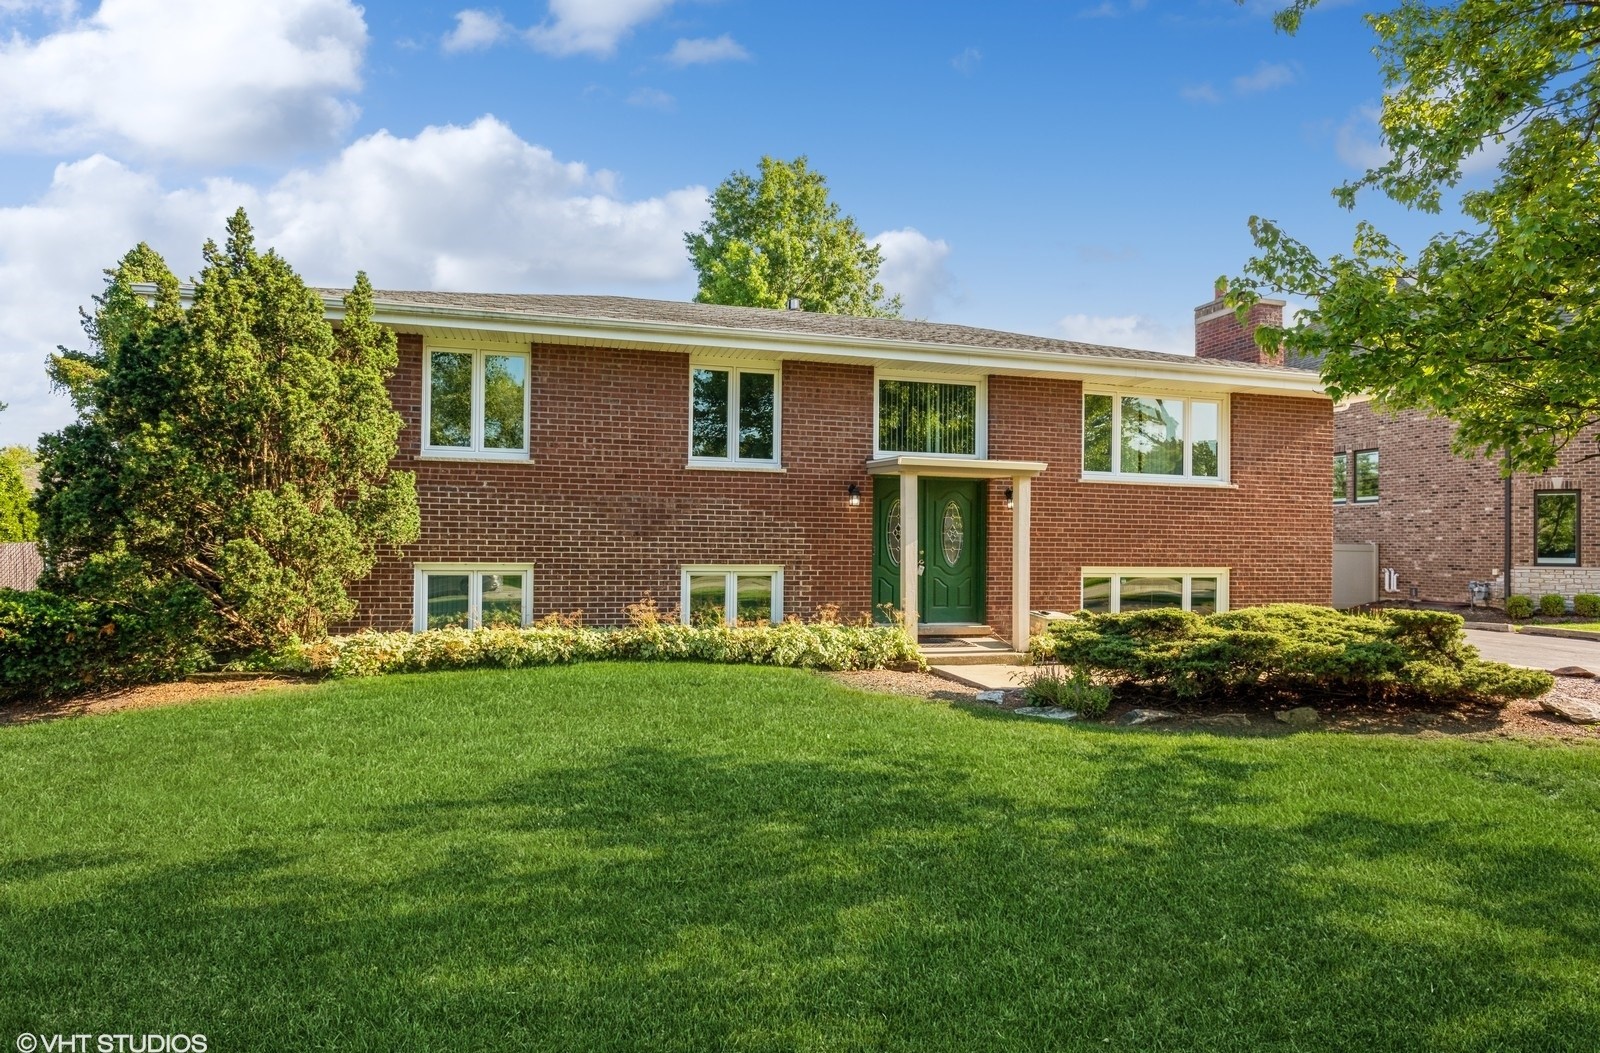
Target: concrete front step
970,651
940,630
988,676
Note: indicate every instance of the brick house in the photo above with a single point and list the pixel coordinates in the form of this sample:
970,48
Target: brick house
578,452
1439,520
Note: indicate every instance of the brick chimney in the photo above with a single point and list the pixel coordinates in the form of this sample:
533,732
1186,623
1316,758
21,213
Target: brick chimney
1218,334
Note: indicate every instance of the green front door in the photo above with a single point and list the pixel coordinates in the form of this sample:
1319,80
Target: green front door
950,528
952,550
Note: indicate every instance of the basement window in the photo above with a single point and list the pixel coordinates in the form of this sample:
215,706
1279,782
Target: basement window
1109,591
1555,527
472,597
735,595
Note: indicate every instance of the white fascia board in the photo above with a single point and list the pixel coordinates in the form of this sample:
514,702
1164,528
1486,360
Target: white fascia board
678,337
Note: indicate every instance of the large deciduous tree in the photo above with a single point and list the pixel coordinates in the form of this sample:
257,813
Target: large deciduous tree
238,450
778,235
18,522
1496,326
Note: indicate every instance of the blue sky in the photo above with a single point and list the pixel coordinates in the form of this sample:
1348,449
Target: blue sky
1075,169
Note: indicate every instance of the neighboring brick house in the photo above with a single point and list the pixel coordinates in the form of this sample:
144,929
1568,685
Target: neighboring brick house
578,452
1440,520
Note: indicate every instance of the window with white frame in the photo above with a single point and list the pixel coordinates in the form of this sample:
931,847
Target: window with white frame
930,416
1120,591
1167,438
472,596
732,595
475,403
733,416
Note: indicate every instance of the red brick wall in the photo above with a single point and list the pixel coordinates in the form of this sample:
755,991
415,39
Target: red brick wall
606,510
1218,334
1439,520
1272,528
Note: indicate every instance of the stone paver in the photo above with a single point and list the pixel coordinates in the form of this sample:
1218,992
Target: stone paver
985,677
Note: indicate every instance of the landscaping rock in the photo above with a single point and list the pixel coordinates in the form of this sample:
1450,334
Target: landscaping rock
1299,717
1047,712
1572,709
1574,671
1134,717
1231,720
991,696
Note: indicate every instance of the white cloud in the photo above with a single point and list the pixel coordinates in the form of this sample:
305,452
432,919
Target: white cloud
1267,76
468,208
967,61
591,26
698,51
1128,330
916,268
233,81
1358,142
476,30
652,99
1200,93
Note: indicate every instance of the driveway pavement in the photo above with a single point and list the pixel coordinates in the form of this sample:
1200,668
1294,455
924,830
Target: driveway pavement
1540,652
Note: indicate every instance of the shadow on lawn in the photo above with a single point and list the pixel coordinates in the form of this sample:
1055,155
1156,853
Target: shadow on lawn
671,900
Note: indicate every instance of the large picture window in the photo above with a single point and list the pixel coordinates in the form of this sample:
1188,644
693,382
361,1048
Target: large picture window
1555,526
475,403
1341,478
921,416
1154,437
472,597
1366,475
733,417
1112,591
732,595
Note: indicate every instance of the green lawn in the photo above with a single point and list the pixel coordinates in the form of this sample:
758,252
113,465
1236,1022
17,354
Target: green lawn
619,857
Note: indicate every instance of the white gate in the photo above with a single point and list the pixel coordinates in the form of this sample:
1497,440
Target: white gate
1355,575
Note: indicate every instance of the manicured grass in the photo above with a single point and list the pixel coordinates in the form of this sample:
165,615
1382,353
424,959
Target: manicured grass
616,857
1588,627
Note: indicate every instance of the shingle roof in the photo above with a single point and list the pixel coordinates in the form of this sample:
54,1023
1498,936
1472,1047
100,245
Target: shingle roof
713,316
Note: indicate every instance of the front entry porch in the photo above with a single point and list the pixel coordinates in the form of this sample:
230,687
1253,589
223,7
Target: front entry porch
935,522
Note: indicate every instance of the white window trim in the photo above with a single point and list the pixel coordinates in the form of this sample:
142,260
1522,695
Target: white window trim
1116,574
1355,476
1224,477
476,451
733,462
981,427
474,572
730,586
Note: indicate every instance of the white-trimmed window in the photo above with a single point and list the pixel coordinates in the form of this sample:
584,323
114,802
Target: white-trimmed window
1150,437
733,416
732,595
472,595
930,415
475,403
1119,590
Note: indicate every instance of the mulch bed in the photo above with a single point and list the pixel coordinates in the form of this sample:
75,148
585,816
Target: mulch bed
1521,719
144,697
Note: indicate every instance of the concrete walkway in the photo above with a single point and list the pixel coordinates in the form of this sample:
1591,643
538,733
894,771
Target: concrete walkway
985,677
1538,652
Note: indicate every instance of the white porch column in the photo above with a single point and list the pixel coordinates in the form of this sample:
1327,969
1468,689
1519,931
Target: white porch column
909,533
1021,558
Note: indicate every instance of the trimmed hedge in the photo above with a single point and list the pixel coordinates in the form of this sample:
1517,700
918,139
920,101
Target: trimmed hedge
1586,605
1552,605
1289,652
53,645
817,645
1519,607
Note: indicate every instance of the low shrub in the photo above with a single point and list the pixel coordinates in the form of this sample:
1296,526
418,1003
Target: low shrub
815,645
1519,607
1586,605
53,645
1290,652
1070,689
1552,605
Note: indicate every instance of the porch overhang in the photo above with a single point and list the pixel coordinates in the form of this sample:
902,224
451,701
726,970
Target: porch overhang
910,467
954,467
